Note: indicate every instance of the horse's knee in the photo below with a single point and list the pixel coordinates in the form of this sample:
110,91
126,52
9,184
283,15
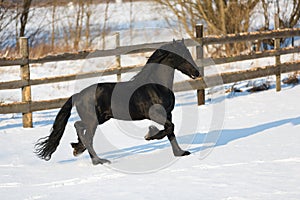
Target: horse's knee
79,126
169,128
171,136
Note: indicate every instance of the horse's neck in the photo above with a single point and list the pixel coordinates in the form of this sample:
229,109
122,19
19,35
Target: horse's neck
157,73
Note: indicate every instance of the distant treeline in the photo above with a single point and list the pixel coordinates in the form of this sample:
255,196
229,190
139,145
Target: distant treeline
59,2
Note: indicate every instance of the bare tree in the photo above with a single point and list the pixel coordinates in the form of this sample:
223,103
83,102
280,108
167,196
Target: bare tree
220,16
288,19
104,31
131,20
295,15
8,15
54,5
289,14
24,17
78,24
88,14
265,6
4,14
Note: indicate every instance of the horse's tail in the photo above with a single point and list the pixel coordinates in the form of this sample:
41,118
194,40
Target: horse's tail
46,146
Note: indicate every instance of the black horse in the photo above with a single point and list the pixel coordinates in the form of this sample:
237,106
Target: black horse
148,95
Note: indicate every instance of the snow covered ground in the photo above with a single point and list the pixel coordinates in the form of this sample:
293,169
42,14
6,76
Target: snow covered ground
256,155
244,146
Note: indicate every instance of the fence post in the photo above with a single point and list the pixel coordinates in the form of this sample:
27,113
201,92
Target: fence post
199,55
277,58
25,76
257,45
118,57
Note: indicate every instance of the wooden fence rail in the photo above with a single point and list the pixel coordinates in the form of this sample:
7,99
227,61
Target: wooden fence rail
141,48
27,106
201,83
200,62
250,36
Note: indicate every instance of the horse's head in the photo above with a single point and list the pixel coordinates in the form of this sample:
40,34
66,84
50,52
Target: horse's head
179,57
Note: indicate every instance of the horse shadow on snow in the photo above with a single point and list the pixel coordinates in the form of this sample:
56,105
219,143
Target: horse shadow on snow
224,137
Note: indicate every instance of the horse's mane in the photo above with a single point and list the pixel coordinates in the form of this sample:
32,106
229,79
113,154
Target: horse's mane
155,58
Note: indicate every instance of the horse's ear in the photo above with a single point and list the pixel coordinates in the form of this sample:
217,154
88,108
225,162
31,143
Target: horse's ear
182,41
174,41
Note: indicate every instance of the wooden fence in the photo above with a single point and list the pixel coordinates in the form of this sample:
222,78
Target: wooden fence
27,106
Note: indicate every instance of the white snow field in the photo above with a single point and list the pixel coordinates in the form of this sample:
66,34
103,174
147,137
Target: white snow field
244,146
256,155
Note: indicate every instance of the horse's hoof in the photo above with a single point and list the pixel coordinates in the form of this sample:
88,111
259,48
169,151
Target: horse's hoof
75,153
147,137
153,130
186,153
78,149
182,153
74,145
105,161
100,161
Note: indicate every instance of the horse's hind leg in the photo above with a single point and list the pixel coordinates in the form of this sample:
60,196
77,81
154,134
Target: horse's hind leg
86,109
87,140
79,148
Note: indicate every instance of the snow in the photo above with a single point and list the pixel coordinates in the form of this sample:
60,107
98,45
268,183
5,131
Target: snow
256,155
244,145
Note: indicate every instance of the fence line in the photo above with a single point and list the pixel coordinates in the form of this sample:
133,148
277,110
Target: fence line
71,77
250,36
27,106
199,84
200,62
142,48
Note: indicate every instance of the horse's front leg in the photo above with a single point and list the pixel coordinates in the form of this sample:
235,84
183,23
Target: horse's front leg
177,151
154,133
